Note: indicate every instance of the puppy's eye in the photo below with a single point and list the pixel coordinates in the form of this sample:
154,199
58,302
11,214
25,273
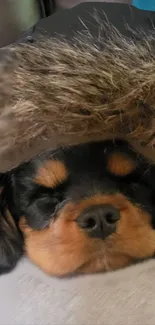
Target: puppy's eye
42,205
47,202
42,208
135,186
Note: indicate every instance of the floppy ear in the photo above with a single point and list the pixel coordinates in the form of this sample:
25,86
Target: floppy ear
11,242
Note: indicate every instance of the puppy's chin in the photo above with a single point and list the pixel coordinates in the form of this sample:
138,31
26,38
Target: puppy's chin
63,248
11,243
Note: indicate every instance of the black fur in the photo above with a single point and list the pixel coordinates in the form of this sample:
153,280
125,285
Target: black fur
87,174
11,241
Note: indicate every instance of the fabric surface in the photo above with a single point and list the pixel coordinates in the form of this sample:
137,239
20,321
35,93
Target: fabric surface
28,297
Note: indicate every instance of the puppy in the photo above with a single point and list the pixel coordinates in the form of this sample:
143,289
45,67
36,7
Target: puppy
80,209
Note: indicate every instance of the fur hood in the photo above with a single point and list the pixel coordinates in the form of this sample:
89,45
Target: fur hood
85,87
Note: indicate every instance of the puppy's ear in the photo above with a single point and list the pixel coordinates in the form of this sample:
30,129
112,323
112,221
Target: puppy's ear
11,242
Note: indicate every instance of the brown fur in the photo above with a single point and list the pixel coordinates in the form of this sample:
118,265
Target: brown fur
134,240
8,223
87,87
51,174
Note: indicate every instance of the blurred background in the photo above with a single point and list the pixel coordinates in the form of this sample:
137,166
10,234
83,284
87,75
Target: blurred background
17,16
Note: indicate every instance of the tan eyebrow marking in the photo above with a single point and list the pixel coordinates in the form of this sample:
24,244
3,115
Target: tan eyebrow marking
51,173
121,164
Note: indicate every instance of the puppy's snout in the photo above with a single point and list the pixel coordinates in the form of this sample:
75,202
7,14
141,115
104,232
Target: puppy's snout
99,221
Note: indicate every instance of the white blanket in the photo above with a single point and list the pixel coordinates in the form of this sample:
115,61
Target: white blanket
125,297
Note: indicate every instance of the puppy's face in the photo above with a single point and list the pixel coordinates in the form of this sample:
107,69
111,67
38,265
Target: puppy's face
87,208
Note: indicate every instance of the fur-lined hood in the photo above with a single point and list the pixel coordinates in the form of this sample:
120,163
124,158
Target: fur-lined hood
85,87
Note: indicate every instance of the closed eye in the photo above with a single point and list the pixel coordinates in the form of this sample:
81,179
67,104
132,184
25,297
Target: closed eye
42,205
47,204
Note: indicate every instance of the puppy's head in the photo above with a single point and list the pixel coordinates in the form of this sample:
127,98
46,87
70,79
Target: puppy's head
86,208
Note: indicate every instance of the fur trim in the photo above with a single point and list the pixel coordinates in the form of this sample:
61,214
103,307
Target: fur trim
89,86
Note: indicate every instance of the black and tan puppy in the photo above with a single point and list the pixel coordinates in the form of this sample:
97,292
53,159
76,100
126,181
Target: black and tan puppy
84,208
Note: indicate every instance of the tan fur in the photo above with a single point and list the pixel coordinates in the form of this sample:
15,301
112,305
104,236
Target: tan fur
64,248
120,165
89,87
51,174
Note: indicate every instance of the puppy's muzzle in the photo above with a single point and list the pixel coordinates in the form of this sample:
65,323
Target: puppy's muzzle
99,221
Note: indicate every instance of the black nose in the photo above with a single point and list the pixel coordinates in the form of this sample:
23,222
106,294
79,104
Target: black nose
99,220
